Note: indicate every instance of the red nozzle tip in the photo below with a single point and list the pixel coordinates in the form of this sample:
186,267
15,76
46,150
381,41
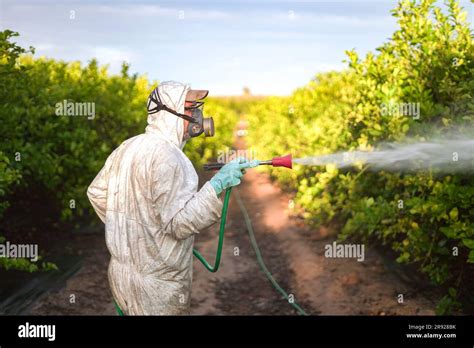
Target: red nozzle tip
284,161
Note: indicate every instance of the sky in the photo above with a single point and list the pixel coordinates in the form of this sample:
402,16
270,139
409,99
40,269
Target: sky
271,47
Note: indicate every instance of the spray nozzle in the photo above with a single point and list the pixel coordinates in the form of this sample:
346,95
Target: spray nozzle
284,161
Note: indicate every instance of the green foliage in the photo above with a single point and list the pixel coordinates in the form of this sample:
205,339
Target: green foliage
26,265
49,159
428,60
448,304
8,176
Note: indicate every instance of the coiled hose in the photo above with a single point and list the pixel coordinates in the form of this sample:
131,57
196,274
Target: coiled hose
221,237
255,247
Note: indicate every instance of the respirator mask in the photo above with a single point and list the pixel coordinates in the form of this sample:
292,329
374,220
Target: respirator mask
198,124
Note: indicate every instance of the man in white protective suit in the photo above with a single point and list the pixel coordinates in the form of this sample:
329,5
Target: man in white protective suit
146,194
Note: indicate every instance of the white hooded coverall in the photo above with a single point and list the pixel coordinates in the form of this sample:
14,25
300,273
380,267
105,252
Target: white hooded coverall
146,194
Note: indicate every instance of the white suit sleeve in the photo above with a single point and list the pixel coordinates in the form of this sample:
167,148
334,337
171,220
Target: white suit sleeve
97,190
97,193
183,215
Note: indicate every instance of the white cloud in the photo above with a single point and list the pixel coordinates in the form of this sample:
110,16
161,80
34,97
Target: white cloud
162,11
42,47
332,20
112,56
321,67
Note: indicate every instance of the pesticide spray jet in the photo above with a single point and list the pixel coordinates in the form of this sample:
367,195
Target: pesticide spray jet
447,156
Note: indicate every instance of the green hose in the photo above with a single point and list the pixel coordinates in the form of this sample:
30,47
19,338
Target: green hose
254,245
221,238
260,261
117,308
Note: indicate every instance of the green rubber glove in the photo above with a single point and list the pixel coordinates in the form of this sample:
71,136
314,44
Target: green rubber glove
230,174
